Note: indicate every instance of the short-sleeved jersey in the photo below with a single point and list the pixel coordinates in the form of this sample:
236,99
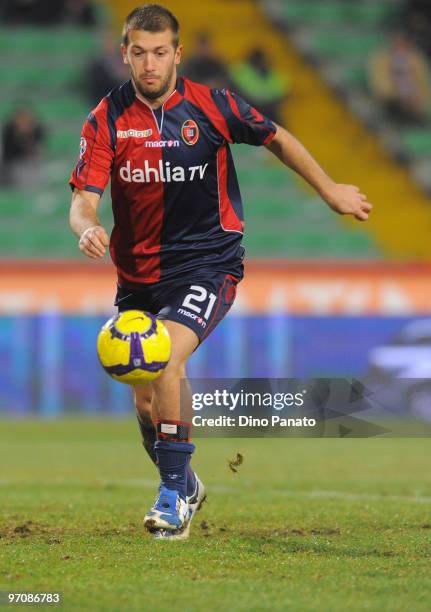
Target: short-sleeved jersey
175,195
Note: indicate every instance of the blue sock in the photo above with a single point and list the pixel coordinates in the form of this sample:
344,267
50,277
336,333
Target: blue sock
173,460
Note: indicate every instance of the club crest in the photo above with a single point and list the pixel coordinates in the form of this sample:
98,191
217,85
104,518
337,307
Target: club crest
190,132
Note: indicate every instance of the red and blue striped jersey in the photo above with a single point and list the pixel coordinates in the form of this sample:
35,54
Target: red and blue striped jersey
175,195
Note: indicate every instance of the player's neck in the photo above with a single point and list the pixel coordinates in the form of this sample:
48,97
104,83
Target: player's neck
157,102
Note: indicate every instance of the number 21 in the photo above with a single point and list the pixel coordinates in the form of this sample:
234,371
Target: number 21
199,294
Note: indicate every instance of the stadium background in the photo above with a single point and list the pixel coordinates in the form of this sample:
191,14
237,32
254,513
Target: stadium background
321,292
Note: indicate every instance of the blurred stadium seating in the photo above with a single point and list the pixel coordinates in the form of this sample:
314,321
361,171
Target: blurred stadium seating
44,67
322,29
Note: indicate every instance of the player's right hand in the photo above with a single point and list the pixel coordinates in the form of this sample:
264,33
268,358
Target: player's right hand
93,241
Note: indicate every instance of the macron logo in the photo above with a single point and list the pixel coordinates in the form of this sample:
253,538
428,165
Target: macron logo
161,144
163,173
134,133
193,316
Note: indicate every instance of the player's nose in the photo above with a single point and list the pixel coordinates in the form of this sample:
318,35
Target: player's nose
149,64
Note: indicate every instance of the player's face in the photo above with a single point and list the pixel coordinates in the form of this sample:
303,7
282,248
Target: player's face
152,58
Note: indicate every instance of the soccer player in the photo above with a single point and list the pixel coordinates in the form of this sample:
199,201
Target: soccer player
178,222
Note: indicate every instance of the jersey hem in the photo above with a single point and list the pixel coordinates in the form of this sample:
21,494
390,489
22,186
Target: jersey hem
191,275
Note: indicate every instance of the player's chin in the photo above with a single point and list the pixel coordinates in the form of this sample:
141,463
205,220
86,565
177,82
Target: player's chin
152,85
152,93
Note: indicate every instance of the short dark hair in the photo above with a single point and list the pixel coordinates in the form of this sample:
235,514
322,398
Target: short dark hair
153,18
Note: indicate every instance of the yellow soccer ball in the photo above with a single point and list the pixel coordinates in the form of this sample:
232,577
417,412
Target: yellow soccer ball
134,347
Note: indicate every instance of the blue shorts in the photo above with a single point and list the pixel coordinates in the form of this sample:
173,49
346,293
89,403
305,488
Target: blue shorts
200,302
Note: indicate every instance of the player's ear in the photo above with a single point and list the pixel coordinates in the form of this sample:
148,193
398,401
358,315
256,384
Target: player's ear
178,54
124,53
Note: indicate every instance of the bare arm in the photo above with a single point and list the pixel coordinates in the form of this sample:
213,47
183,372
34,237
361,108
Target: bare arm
85,223
344,199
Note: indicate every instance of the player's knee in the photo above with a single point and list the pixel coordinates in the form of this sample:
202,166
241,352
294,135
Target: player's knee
175,370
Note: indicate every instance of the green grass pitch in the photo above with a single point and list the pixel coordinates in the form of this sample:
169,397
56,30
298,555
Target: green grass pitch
305,524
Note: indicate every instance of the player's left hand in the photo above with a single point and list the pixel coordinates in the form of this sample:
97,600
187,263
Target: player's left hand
348,200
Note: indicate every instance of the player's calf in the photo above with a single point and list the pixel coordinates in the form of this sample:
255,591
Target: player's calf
149,435
143,404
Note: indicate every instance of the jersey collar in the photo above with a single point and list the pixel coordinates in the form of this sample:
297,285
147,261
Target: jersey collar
176,96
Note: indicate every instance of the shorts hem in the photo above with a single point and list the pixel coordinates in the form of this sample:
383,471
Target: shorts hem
184,322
